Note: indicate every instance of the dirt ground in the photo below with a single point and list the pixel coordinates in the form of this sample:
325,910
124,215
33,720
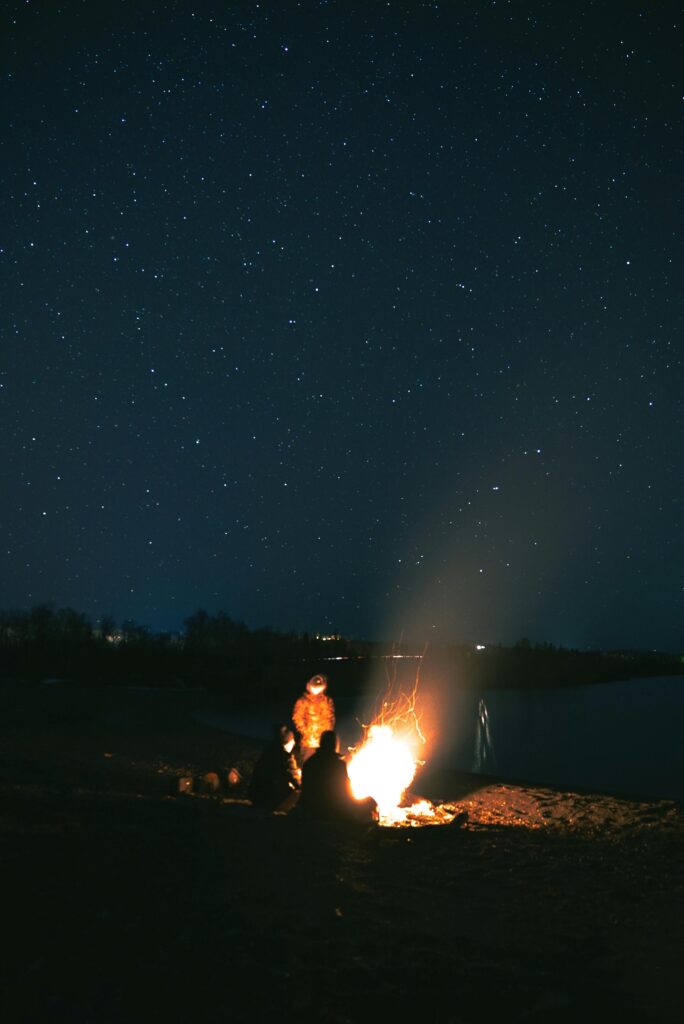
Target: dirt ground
124,901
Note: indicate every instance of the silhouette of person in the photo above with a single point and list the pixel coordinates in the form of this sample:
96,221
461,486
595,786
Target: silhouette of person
326,789
313,713
275,781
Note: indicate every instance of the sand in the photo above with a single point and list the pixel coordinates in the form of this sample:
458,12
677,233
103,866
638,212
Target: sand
124,901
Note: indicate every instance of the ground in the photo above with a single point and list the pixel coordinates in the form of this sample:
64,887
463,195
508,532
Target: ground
125,901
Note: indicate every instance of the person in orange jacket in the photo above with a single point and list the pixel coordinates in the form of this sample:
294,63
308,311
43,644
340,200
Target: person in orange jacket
313,714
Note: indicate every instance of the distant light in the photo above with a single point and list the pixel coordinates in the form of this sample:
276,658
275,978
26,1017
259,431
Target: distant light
480,647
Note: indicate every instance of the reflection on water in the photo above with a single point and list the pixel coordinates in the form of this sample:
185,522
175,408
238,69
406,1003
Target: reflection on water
623,738
484,758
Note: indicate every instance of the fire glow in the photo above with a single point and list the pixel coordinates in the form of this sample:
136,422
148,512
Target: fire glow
383,767
385,763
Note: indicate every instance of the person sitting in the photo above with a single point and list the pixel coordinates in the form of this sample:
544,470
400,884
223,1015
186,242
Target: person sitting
326,789
275,781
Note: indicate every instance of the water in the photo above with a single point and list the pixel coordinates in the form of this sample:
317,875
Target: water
623,738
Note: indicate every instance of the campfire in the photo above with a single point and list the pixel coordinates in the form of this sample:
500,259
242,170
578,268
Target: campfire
385,763
383,767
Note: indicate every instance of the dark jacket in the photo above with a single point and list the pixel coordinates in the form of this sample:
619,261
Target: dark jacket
275,777
326,790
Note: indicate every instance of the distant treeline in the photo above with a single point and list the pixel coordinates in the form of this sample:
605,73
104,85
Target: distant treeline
213,651
220,653
530,666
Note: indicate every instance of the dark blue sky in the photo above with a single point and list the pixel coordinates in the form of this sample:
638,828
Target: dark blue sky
335,315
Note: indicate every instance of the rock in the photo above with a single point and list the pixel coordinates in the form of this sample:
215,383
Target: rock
459,820
210,783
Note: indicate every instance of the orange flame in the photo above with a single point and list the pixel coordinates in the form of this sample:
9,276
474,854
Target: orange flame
384,765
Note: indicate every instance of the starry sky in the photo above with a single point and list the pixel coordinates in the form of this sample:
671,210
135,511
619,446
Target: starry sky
335,315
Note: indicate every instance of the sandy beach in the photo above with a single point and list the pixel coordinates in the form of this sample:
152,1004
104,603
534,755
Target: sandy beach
125,901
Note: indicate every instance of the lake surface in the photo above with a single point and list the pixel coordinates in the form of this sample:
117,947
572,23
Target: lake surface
624,738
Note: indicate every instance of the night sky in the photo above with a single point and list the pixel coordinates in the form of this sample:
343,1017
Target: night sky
355,316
